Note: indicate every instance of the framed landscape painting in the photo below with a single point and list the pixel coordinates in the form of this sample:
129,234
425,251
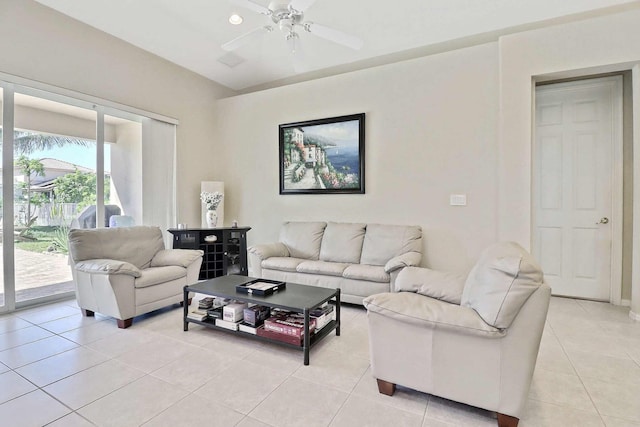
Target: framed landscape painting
323,156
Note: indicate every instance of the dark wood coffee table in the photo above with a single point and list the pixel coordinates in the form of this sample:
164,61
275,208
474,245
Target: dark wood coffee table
296,298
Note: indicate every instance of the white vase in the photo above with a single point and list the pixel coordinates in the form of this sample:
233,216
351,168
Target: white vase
212,219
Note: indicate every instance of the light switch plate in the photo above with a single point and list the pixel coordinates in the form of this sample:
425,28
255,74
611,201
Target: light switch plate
458,200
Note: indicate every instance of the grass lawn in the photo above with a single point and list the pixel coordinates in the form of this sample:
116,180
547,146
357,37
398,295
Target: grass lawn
44,238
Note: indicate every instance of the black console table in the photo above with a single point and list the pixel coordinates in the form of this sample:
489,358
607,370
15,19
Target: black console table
224,254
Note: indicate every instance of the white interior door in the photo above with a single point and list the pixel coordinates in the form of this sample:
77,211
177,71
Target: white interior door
575,196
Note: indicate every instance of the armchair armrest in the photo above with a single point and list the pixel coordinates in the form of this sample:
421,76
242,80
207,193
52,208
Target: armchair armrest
443,285
178,257
405,260
269,250
108,266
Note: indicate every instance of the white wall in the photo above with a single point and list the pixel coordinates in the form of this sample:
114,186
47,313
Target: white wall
37,120
430,131
40,44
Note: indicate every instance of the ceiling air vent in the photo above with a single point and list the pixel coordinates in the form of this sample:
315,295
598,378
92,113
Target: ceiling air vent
231,59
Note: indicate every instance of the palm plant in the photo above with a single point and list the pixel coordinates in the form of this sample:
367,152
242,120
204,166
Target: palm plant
26,143
29,168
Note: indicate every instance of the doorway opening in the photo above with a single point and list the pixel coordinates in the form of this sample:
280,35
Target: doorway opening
581,186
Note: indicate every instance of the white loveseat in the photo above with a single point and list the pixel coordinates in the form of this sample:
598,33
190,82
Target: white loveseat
360,259
472,340
126,271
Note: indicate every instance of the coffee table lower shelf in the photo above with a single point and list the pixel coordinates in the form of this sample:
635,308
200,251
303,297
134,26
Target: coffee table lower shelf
326,330
297,298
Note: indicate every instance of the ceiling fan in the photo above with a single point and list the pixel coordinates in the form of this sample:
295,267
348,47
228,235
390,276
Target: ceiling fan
289,17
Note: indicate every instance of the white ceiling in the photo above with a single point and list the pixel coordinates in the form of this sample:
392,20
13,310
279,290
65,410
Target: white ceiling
190,32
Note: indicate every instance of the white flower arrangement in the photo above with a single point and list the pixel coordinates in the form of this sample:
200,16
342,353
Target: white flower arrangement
212,200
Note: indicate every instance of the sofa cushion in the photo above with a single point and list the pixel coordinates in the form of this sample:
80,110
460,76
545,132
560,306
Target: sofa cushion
372,273
443,285
281,263
500,283
136,245
423,311
156,275
322,267
383,242
342,242
303,239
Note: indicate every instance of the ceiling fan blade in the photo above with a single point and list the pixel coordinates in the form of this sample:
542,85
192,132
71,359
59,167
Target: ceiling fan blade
246,38
301,5
247,4
334,35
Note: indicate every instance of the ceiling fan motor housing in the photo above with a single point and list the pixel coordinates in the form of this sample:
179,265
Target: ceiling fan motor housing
285,16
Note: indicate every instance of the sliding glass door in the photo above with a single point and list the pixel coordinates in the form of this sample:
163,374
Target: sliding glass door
54,178
58,173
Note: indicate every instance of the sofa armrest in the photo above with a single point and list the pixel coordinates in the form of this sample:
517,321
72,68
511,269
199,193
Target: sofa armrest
178,257
269,250
405,260
258,253
108,266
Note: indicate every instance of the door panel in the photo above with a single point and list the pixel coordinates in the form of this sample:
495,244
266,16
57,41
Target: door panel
573,185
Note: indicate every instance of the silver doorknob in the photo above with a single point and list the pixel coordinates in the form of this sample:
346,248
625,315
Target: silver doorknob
603,220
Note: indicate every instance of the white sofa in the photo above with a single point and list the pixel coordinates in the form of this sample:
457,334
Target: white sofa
126,271
360,259
474,341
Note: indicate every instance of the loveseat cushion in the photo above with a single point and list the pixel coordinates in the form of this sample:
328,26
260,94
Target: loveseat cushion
372,273
442,285
281,263
322,267
108,266
500,283
423,311
303,239
342,242
136,245
156,275
383,242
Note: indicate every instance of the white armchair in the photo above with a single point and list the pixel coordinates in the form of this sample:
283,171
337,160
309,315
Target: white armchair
473,341
125,272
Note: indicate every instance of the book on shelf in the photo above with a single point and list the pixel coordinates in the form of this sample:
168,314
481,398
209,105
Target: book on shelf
324,308
256,314
205,303
197,314
291,324
289,339
215,313
248,328
234,312
226,324
324,320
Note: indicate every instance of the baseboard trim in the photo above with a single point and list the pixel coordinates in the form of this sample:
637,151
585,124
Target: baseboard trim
625,303
634,316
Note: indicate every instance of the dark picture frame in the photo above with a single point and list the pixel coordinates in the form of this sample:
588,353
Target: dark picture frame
323,156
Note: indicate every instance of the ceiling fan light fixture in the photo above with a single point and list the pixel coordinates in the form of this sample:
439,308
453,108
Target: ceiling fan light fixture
235,19
293,41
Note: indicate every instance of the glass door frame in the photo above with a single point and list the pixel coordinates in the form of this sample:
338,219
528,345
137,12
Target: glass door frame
8,247
10,84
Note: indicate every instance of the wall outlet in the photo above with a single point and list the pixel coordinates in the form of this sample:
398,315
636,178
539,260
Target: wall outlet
458,200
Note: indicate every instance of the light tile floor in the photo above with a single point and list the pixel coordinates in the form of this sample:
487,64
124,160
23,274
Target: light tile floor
58,368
